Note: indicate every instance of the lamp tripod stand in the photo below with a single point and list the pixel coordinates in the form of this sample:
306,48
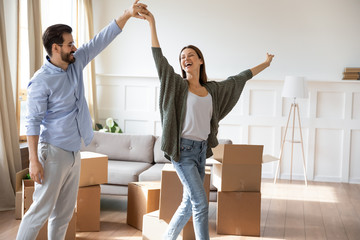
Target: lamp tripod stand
294,110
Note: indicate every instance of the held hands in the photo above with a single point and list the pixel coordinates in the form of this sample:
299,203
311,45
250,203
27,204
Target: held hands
137,10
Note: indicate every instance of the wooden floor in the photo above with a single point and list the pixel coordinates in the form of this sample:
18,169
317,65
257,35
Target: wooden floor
288,211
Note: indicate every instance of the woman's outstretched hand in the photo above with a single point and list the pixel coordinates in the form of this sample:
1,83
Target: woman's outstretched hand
259,68
269,58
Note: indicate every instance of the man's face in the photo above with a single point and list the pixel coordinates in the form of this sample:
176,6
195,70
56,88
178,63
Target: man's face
68,49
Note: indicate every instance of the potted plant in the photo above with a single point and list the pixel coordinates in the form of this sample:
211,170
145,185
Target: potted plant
111,126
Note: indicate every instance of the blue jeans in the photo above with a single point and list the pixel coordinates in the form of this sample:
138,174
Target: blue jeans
191,172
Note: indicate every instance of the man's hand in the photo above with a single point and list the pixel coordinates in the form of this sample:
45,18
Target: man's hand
36,170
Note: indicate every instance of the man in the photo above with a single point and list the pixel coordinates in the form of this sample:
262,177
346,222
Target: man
58,117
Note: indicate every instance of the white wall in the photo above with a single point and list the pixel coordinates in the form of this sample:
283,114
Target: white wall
330,122
316,39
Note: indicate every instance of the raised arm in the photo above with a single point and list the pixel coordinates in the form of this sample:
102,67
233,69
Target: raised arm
154,39
262,66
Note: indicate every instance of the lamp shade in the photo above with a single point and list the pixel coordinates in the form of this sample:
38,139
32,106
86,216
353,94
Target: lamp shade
294,87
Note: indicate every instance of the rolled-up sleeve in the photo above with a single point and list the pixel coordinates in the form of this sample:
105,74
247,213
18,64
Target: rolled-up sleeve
37,100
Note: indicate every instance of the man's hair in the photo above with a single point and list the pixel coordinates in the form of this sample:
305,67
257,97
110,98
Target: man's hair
54,34
203,76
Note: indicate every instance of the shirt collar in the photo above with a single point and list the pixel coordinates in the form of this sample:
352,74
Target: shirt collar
52,66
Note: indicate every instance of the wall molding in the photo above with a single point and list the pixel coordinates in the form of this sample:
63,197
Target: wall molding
330,121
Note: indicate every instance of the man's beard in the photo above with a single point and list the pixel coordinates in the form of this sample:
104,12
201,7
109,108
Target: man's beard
67,57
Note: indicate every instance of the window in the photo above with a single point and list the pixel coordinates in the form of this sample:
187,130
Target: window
52,12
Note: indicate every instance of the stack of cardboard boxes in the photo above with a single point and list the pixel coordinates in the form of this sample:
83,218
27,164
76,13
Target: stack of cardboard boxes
237,177
87,216
155,223
94,171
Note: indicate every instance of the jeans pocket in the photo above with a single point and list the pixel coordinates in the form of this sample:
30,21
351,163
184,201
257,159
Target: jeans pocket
186,148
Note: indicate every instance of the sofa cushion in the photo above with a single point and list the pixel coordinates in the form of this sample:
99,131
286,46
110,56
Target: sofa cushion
123,172
114,189
153,173
118,146
212,196
225,141
158,153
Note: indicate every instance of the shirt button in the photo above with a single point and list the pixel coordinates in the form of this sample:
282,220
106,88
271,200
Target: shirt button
96,145
130,148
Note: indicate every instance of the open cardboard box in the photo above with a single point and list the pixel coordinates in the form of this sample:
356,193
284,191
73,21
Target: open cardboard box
18,188
239,168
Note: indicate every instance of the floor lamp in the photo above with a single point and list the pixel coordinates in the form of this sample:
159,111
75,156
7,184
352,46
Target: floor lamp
294,87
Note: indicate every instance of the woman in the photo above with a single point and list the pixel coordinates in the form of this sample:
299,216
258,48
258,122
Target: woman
191,108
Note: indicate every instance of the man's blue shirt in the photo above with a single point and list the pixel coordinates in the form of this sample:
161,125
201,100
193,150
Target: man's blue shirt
57,109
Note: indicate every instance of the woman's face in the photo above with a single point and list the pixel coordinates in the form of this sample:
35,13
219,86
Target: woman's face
190,61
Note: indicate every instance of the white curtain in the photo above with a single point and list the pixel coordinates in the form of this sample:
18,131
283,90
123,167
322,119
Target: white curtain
85,33
35,35
10,160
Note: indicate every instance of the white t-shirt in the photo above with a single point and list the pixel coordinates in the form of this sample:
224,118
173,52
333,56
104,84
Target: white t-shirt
198,114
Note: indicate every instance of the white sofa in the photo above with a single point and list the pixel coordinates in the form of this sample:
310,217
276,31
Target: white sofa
132,158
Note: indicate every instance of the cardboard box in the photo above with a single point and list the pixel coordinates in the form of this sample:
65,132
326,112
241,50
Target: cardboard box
18,188
19,177
88,209
143,197
171,192
70,232
154,228
238,213
26,194
18,202
240,167
94,169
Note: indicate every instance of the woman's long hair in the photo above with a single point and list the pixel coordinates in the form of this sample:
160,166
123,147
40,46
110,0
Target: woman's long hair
202,77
